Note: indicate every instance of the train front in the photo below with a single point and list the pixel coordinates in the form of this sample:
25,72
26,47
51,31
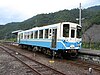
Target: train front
71,40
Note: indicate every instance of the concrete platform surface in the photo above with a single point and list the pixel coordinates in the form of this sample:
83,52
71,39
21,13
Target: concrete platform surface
90,51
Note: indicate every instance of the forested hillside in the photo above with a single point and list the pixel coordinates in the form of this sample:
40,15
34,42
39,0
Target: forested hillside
91,16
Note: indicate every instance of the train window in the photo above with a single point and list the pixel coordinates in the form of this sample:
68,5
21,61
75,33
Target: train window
36,34
28,35
79,32
72,33
25,35
31,34
40,33
65,30
46,33
21,36
50,31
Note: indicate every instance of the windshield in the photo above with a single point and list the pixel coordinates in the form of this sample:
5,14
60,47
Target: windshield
65,30
79,32
72,33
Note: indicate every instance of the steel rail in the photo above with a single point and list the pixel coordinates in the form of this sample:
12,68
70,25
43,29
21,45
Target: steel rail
8,50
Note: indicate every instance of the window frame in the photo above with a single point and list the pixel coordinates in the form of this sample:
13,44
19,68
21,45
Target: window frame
67,30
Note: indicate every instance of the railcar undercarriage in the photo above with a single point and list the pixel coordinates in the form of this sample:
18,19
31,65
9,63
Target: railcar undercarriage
52,53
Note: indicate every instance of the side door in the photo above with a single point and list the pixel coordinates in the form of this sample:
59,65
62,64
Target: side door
54,38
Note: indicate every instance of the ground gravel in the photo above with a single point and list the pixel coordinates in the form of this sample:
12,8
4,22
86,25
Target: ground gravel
10,66
59,64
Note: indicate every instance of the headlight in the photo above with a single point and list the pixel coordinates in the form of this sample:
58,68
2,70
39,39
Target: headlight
72,46
78,45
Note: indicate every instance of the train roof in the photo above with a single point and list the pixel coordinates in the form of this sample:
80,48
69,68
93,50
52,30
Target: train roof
16,32
50,26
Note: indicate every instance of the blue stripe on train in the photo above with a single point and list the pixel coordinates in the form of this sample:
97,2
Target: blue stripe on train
60,45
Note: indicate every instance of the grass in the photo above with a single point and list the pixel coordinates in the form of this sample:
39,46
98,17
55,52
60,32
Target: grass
93,45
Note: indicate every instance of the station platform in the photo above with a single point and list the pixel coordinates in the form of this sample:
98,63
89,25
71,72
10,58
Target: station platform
90,52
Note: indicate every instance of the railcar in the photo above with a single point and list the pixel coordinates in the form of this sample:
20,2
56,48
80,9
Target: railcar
61,38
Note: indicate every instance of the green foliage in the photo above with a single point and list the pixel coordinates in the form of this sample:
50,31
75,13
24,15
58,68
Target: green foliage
10,40
93,45
91,15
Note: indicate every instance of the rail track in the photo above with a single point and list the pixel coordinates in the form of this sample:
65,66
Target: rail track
85,64
81,63
34,65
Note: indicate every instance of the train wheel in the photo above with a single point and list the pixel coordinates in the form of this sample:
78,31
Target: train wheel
34,49
74,54
29,48
48,52
24,47
21,46
44,51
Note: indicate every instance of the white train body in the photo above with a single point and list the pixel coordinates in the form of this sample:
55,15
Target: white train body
61,36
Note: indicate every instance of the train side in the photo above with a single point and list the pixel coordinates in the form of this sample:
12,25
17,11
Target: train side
63,36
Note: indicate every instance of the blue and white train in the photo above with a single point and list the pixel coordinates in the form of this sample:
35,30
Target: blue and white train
61,38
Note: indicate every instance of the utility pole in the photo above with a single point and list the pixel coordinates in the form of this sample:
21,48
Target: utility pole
80,14
80,18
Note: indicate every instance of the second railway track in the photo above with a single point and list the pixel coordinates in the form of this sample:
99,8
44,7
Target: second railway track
85,64
37,67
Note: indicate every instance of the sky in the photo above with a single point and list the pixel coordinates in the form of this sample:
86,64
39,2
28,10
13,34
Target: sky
20,10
